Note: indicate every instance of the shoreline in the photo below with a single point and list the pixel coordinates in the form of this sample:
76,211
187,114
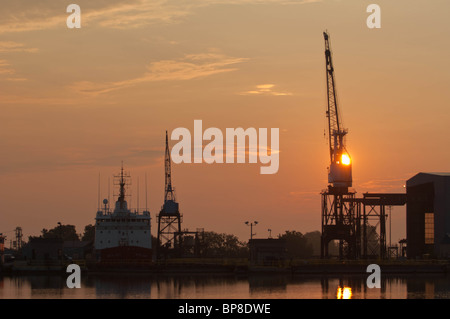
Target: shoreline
325,267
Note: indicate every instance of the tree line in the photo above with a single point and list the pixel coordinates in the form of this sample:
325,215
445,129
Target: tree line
67,233
298,245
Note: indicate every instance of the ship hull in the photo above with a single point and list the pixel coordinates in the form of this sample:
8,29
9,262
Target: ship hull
125,254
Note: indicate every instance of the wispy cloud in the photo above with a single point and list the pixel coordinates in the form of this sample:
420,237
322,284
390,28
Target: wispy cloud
72,156
141,13
15,99
241,152
113,13
190,67
6,68
265,89
11,46
382,185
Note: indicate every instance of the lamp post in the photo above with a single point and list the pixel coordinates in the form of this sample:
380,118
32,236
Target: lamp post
251,237
60,230
60,253
251,228
2,248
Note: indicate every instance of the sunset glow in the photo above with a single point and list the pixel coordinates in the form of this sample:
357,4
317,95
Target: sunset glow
77,102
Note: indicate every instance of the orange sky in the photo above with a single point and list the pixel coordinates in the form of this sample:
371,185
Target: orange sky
76,102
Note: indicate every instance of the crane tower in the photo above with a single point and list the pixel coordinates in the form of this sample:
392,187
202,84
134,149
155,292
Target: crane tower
169,218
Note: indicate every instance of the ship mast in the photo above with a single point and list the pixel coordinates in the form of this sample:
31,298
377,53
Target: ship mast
121,182
122,186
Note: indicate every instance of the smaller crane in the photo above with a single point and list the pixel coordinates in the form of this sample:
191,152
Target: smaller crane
169,218
169,192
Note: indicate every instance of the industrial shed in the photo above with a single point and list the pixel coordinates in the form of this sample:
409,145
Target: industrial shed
428,216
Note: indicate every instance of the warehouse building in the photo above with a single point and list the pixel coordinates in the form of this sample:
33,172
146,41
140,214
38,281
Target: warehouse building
428,216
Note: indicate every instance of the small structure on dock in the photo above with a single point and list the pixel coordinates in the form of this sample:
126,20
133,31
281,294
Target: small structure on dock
267,252
44,249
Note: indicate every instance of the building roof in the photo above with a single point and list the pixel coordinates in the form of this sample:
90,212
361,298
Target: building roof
426,177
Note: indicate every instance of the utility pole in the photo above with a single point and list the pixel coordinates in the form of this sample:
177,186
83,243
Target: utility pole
251,237
251,228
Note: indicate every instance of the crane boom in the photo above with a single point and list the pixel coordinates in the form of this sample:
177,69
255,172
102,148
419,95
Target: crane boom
332,110
340,173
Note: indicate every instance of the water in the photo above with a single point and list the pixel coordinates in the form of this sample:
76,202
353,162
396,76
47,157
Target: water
142,286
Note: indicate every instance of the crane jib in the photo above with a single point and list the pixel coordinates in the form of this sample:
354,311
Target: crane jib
340,170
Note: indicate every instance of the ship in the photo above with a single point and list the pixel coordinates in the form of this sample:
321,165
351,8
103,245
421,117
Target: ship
122,236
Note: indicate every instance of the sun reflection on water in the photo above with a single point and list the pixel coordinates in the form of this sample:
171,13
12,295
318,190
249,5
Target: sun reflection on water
344,293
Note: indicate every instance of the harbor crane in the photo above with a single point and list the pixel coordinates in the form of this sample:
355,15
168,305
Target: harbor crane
338,209
346,218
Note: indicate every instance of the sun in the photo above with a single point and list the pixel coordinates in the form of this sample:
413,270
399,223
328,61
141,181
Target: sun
345,159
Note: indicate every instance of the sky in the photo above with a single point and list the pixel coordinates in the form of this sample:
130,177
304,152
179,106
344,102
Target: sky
75,103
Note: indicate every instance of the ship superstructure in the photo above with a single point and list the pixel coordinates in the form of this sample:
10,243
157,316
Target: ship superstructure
122,234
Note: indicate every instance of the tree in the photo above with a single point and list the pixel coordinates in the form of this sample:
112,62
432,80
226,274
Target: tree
314,239
297,245
89,233
224,245
65,232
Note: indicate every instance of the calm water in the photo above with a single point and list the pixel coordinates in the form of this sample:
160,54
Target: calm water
219,287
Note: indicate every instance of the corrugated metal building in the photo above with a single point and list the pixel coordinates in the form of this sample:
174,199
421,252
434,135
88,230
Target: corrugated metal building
428,215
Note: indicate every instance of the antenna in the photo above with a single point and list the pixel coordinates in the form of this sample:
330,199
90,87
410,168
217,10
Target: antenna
98,193
138,195
122,181
146,207
109,190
